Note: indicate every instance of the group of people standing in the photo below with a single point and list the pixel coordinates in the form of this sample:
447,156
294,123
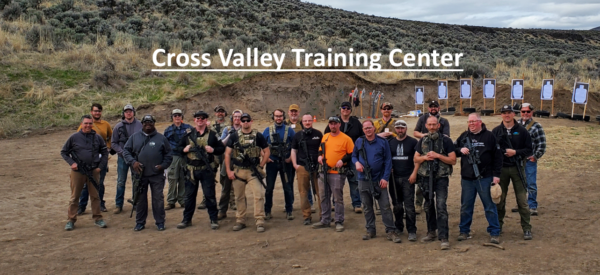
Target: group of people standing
377,157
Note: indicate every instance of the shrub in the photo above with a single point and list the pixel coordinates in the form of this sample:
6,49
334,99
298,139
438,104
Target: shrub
12,12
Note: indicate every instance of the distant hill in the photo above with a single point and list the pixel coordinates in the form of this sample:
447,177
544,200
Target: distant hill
596,29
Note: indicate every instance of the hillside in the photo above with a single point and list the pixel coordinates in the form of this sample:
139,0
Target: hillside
57,56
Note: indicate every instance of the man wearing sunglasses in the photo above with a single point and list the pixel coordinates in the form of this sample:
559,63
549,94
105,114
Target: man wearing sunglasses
352,127
200,146
175,173
244,150
149,153
538,137
385,125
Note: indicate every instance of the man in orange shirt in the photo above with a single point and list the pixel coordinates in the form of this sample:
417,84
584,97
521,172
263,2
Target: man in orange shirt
338,153
102,128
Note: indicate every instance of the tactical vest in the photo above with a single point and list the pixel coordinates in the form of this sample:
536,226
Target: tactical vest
218,127
382,125
273,148
199,142
444,170
247,142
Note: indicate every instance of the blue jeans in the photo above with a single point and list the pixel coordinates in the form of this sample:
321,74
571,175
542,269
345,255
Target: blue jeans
531,175
122,169
272,170
353,186
83,199
469,191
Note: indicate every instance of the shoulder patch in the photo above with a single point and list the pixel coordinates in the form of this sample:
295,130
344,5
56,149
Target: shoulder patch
188,130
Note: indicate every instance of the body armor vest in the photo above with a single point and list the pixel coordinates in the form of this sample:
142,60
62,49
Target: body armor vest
247,142
198,142
278,142
444,170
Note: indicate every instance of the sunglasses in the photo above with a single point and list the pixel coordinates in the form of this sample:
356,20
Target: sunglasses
346,108
176,115
245,120
200,118
526,112
387,109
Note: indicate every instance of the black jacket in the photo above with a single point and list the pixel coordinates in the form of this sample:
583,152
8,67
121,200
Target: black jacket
90,148
489,154
150,150
519,138
353,130
212,141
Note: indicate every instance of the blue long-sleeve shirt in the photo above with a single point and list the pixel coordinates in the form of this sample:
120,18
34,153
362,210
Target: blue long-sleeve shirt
174,135
281,131
379,158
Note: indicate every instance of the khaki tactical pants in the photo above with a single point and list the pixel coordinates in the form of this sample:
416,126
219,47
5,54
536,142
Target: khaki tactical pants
77,182
244,178
304,188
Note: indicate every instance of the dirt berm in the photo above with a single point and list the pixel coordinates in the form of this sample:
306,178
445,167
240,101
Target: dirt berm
320,93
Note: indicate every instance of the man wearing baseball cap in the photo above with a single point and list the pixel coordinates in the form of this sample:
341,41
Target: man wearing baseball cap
386,122
294,118
404,176
515,142
175,174
128,126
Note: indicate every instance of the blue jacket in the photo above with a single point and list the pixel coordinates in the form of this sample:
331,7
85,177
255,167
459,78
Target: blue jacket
174,135
281,131
379,158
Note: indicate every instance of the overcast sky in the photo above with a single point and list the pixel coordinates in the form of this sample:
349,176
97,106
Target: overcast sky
546,14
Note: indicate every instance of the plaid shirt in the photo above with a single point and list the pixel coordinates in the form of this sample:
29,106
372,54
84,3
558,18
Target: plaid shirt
174,134
538,138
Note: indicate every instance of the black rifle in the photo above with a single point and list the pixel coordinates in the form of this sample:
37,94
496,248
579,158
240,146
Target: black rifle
85,169
433,166
246,160
324,170
517,159
367,171
279,147
201,154
137,188
473,156
311,168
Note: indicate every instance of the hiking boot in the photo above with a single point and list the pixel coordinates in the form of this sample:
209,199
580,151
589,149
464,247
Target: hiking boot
418,209
170,206
368,236
430,237
202,205
320,225
183,224
339,227
214,225
289,216
118,210
445,244
357,209
307,221
80,211
412,237
139,227
516,209
260,228
394,237
103,208
160,227
533,211
100,223
238,226
70,226
495,239
221,215
527,235
464,237
268,216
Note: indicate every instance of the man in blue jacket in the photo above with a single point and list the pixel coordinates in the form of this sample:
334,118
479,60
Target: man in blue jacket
373,175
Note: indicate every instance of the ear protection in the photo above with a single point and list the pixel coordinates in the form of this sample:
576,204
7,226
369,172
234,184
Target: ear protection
182,116
219,108
123,112
273,114
235,111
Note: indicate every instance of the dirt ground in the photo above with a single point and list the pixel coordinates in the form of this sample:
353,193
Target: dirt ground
35,191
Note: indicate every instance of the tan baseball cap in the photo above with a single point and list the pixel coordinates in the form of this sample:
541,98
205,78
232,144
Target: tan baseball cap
294,107
496,193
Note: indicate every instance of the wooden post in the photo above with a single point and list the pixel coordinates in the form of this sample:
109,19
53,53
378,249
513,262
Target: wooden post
483,90
495,102
472,92
552,104
572,91
461,110
587,97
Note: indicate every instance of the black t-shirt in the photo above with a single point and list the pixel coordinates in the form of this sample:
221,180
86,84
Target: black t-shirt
447,144
313,140
261,142
403,153
444,125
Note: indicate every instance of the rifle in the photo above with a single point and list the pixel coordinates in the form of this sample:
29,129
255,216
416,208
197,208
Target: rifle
246,159
367,171
137,188
518,160
85,169
278,146
324,169
473,156
433,166
201,154
311,168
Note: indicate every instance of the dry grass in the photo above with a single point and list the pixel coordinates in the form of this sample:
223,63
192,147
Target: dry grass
572,148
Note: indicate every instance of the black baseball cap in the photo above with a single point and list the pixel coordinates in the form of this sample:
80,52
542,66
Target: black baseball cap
506,108
246,115
434,103
200,114
148,118
346,104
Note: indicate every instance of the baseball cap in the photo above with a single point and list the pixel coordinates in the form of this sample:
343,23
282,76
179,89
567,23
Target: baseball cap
335,119
400,123
128,107
434,103
176,111
496,193
506,108
246,115
387,104
346,104
200,113
219,108
148,118
294,107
